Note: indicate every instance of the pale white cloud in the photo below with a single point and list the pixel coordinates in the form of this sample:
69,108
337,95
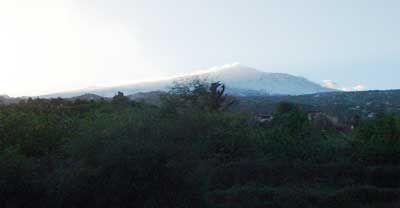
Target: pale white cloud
359,88
330,84
334,85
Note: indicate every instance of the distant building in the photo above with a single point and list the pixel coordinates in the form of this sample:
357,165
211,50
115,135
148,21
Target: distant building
371,115
317,116
264,118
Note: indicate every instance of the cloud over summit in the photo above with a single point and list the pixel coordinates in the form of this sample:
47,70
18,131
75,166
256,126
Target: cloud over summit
334,85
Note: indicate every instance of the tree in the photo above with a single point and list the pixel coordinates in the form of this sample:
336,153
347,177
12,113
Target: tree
290,119
285,107
199,94
120,99
218,99
378,140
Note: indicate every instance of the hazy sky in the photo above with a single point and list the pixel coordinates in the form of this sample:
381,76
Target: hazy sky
56,45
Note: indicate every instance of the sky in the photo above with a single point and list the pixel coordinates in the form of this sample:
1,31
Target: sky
59,45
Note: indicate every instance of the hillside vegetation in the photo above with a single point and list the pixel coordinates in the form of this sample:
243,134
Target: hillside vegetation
345,105
190,151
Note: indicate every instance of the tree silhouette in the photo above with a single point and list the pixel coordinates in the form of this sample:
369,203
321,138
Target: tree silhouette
120,99
201,95
218,98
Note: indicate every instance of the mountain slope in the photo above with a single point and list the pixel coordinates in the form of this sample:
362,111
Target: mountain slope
244,78
240,81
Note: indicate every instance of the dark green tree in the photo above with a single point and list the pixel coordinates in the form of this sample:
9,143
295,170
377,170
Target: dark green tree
120,100
200,95
219,100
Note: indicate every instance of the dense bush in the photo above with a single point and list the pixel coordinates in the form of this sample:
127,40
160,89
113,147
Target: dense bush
378,140
59,153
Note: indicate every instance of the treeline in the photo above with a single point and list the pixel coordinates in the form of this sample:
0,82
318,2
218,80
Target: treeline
343,105
190,152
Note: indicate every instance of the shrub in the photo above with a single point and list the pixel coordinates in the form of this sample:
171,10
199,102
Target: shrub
378,141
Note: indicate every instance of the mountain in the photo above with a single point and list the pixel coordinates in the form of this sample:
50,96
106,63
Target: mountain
5,99
240,81
153,97
245,81
88,97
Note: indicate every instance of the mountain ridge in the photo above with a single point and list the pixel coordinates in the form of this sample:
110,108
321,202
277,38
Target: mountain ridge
239,79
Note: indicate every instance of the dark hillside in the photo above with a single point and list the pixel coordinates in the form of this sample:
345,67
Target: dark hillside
189,151
344,104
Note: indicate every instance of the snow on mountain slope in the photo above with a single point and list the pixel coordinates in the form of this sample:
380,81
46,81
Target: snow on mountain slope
242,77
240,80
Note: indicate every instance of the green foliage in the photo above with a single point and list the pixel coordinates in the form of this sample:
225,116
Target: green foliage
198,95
18,180
120,100
291,121
285,107
189,152
378,140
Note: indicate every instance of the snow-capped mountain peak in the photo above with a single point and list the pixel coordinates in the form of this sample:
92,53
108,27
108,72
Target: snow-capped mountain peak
239,79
